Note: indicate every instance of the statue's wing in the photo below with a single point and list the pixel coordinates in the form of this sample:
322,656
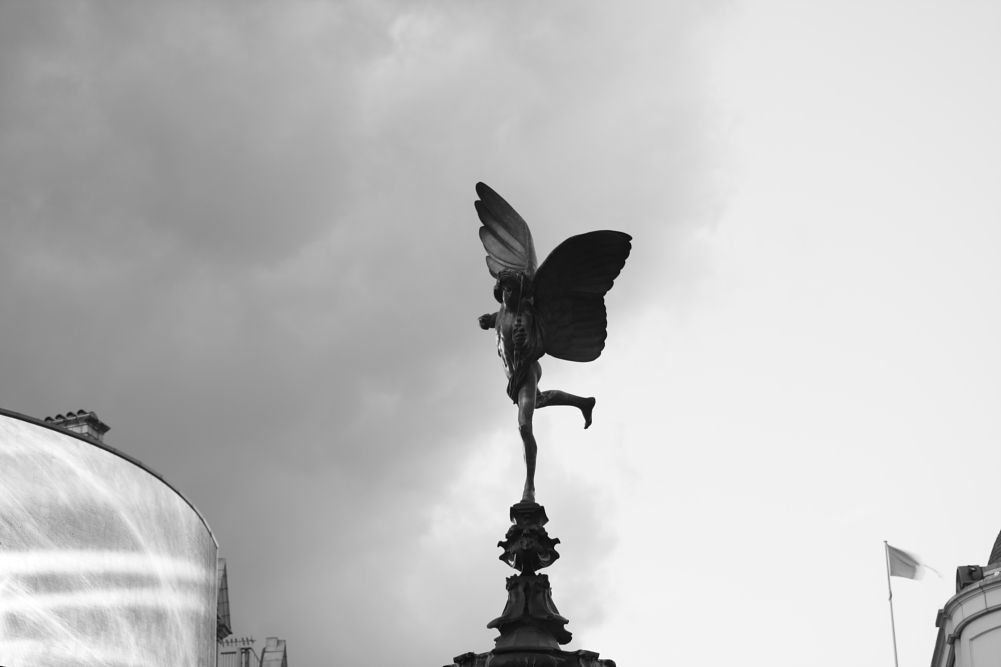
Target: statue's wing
570,289
504,234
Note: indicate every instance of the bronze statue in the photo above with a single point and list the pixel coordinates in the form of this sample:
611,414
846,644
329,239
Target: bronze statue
556,309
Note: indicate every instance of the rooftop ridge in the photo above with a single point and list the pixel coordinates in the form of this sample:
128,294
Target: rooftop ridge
995,557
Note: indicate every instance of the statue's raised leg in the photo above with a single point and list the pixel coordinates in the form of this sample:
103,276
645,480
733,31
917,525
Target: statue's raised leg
557,397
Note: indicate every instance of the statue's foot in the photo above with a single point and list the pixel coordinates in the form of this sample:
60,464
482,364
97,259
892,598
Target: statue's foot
529,495
587,409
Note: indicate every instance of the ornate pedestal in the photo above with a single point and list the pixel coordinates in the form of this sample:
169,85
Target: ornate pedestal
531,627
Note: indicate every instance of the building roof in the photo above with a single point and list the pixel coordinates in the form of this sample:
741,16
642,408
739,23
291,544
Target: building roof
111,450
274,653
224,628
237,652
82,421
995,558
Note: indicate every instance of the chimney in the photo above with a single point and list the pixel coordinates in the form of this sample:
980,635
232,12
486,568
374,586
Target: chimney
82,422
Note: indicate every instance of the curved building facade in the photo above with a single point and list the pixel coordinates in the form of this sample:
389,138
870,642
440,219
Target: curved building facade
102,562
969,626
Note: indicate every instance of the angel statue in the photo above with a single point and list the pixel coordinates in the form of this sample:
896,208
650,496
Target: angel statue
556,309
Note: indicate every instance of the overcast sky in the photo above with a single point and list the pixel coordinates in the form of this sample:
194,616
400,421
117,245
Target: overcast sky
243,233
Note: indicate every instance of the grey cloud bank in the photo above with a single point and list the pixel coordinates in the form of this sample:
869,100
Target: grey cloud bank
244,235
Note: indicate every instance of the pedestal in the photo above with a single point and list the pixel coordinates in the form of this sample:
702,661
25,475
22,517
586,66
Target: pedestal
531,627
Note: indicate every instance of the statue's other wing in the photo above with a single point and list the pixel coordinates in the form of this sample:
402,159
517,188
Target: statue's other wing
504,234
570,289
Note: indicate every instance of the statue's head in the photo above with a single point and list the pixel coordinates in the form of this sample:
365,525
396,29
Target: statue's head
511,287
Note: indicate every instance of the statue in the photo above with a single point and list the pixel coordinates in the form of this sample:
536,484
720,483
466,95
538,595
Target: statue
556,309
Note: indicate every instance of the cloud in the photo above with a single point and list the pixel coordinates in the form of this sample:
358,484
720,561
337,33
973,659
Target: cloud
244,234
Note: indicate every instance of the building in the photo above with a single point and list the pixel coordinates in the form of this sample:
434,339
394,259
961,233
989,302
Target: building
104,562
969,625
223,628
273,654
239,652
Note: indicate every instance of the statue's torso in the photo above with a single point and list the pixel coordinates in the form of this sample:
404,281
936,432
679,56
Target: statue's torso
506,321
516,334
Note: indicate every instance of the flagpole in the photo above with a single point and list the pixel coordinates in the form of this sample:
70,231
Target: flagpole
893,628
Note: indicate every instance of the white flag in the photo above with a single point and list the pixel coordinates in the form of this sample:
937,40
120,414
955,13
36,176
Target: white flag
905,564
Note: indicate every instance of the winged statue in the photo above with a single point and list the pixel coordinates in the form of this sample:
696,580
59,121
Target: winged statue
556,309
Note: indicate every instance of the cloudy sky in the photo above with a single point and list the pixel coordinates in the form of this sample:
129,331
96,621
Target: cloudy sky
243,233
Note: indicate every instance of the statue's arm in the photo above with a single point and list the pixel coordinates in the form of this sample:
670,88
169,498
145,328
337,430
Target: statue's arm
488,321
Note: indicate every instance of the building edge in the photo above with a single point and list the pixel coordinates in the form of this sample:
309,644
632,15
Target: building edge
111,450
